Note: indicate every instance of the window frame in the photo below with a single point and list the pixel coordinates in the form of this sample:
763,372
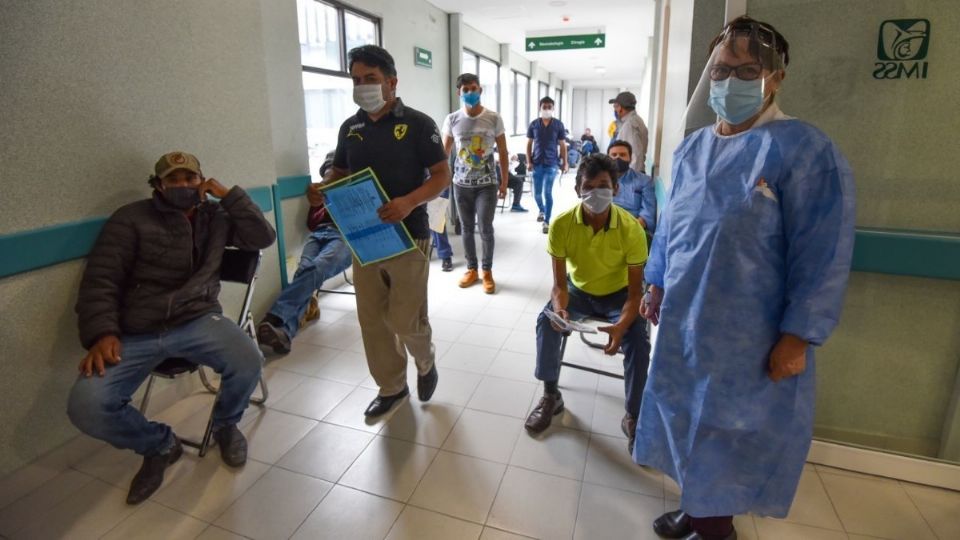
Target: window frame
342,10
526,103
477,58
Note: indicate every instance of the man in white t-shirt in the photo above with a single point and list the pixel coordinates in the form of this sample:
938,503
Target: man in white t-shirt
476,131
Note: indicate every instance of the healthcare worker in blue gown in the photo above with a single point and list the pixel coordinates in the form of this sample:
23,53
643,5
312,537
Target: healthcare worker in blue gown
747,276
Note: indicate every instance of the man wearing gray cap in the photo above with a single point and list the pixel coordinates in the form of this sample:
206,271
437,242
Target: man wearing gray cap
632,129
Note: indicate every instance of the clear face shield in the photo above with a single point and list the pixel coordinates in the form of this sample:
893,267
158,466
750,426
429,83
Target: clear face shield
740,78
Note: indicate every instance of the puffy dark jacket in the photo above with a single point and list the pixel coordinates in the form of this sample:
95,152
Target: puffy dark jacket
149,271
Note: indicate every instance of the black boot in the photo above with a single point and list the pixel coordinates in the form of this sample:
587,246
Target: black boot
233,445
674,524
150,476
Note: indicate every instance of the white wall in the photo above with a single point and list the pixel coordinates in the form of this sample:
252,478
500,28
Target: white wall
481,43
416,23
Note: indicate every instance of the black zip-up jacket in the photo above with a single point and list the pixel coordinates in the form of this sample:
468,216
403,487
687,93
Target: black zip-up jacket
150,271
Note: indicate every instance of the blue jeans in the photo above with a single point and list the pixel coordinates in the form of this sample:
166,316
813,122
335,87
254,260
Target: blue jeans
476,207
324,256
100,406
543,177
635,345
442,244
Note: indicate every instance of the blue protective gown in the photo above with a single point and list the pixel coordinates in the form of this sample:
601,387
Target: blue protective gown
756,241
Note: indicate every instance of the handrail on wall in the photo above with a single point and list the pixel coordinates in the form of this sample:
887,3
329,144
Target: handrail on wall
884,251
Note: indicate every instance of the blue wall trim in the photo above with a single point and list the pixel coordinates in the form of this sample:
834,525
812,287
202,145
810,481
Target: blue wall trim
38,248
904,253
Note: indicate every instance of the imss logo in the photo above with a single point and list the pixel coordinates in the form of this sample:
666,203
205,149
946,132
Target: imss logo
901,45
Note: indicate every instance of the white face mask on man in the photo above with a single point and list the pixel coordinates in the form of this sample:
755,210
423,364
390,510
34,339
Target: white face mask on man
546,113
369,97
597,200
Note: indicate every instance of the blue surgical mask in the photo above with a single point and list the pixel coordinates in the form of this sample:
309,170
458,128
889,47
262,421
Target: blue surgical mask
735,101
470,99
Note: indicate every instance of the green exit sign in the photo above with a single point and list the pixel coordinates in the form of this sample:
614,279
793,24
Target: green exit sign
559,43
422,57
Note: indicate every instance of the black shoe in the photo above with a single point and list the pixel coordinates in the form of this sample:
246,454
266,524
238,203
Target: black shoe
446,265
150,476
426,384
697,536
382,404
629,427
676,524
539,217
270,333
233,445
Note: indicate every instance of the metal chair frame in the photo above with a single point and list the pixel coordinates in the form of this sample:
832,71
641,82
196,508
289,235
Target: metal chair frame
563,350
245,321
334,291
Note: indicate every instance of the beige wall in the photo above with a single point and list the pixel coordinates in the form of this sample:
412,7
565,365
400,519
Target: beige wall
93,93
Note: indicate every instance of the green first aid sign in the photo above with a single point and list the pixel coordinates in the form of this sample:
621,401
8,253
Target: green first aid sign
559,43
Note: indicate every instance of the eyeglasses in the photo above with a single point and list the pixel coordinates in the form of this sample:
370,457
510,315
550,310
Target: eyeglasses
744,72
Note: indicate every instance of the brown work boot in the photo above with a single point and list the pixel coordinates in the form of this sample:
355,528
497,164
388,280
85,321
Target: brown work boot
489,286
550,405
469,278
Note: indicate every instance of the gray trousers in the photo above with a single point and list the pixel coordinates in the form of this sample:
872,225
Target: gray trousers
476,204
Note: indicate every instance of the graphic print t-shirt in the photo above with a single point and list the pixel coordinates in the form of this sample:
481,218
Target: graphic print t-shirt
474,138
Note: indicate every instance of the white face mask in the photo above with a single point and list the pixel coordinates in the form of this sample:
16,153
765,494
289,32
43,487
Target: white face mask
597,200
369,97
546,113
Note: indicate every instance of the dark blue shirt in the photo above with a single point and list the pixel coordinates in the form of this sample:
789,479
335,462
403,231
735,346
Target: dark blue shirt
546,141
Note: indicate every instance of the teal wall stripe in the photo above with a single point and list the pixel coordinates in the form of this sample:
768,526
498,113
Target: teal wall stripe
290,187
281,239
38,248
905,253
263,196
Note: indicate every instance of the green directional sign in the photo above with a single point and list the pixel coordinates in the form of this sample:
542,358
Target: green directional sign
559,43
422,57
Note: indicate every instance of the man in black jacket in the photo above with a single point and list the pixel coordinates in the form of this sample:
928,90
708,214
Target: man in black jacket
149,291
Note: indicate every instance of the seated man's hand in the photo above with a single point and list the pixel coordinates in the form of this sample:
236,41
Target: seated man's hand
315,196
650,304
395,210
213,187
563,313
105,350
615,333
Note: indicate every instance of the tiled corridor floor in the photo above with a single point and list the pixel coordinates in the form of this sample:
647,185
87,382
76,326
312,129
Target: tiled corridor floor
459,467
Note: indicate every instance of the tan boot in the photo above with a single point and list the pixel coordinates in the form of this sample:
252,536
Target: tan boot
469,278
489,286
313,311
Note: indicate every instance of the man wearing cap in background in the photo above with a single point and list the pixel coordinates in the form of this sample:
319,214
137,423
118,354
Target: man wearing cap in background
149,292
632,129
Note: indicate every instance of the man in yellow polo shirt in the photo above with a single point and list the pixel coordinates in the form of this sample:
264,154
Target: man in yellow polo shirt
598,252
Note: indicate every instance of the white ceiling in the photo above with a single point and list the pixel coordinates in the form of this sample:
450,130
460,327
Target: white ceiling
628,25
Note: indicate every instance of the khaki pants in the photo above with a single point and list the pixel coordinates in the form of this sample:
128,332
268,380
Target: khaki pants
392,309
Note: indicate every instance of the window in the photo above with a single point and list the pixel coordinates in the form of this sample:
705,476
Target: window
489,73
327,31
490,82
521,103
544,90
